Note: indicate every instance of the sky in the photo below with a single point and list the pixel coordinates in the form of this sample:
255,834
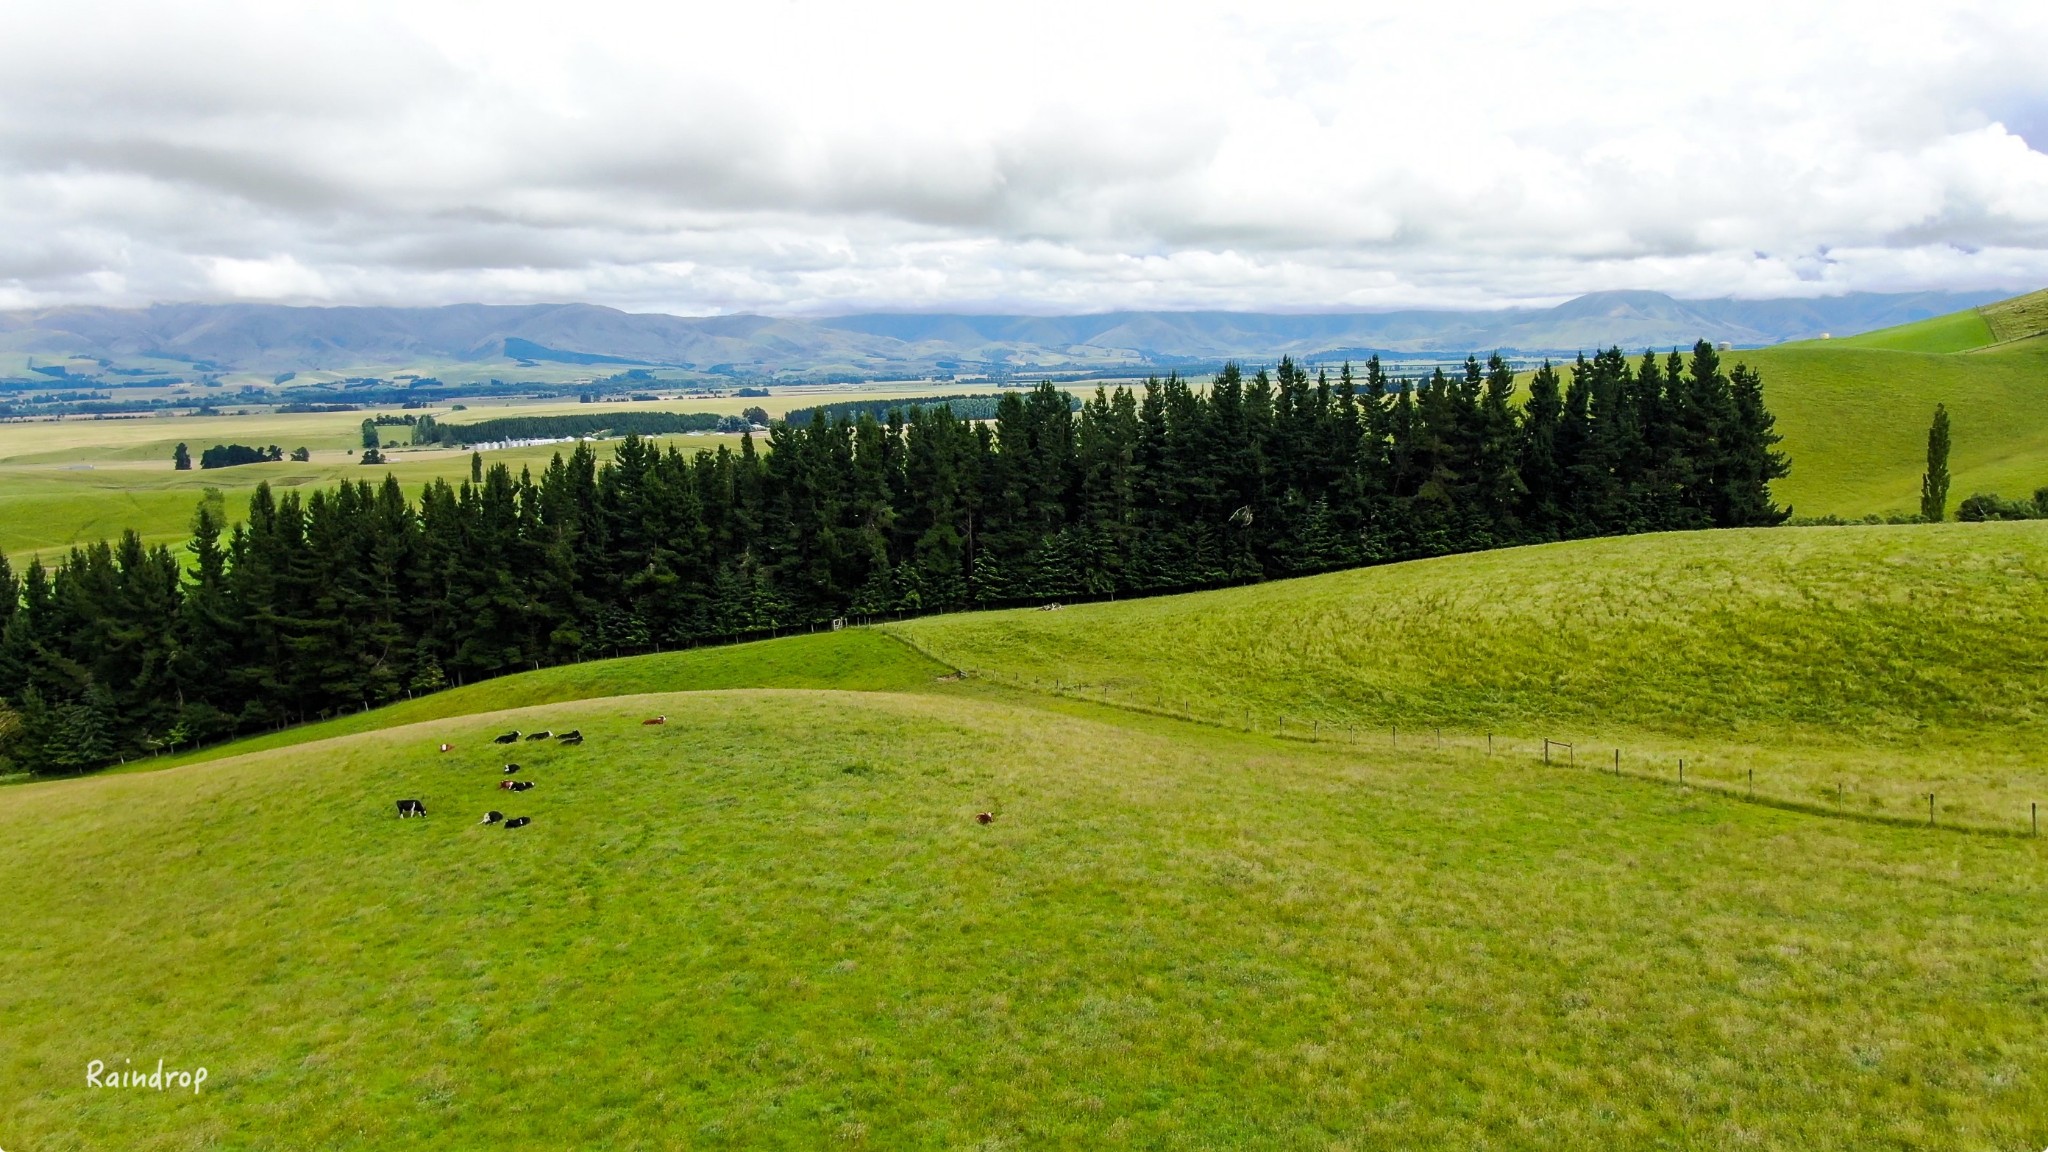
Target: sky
800,158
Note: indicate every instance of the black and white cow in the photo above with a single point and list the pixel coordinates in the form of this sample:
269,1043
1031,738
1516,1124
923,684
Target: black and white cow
511,769
517,822
541,735
511,737
410,808
492,818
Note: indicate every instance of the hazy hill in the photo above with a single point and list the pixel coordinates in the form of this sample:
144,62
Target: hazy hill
272,338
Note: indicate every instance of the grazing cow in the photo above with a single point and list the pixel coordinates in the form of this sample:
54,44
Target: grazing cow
656,720
519,785
985,817
511,737
538,735
492,818
447,747
511,768
517,822
573,734
410,808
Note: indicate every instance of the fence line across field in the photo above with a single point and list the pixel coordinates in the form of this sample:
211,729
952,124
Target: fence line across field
1315,730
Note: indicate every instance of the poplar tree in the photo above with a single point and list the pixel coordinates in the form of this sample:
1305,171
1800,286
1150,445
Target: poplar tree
1934,483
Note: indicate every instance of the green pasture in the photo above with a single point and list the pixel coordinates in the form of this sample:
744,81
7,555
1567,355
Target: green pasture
1955,332
1222,903
775,922
1865,666
1855,423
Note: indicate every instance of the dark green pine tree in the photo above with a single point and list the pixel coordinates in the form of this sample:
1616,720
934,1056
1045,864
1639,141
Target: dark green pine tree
1542,477
181,458
1754,460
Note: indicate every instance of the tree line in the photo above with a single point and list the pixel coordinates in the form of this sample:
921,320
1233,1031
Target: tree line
356,595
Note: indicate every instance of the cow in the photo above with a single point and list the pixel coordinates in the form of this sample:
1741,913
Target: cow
514,785
518,822
656,720
572,736
410,808
511,768
511,737
492,817
447,747
985,817
538,735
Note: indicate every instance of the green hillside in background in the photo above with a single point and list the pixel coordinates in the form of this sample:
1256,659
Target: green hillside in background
1854,412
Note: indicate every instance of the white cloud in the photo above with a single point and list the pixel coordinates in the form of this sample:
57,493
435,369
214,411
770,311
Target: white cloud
803,157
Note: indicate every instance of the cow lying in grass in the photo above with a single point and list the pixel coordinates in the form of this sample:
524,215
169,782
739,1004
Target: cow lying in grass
511,737
656,720
511,769
514,785
410,808
541,735
572,736
492,818
517,822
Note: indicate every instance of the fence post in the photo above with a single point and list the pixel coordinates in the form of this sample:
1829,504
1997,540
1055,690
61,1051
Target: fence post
1752,783
1617,762
1681,771
1930,809
2036,807
1489,743
1546,749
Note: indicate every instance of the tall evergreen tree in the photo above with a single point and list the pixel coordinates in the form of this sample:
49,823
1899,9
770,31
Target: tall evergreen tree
1934,482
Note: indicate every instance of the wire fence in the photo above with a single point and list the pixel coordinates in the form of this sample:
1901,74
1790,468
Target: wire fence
1541,750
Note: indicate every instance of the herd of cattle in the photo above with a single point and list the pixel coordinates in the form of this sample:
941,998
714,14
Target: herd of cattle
410,808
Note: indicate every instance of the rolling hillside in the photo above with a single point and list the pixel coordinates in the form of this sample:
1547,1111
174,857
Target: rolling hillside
774,921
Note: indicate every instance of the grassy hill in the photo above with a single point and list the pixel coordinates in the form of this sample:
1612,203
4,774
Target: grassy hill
1886,661
774,921
1955,332
1854,412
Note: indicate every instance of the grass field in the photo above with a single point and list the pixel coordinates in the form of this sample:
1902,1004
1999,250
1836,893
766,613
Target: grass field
1889,661
774,921
1855,423
1955,332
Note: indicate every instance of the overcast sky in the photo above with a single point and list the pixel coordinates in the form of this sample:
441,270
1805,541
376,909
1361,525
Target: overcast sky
797,157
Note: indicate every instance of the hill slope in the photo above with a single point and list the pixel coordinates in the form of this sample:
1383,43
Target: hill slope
775,923
1855,423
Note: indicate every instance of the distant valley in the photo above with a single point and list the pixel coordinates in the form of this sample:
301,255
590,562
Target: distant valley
109,347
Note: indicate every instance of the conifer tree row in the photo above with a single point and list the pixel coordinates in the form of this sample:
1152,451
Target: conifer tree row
356,595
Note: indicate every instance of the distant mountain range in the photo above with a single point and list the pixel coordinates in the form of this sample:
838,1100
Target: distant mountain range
277,338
